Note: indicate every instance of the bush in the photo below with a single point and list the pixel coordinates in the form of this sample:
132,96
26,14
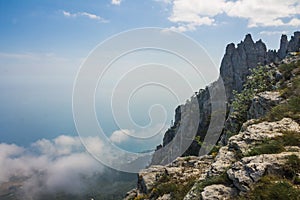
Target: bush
267,147
286,69
221,179
292,167
290,138
272,187
260,80
175,189
290,109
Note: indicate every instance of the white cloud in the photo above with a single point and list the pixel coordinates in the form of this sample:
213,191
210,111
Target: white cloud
120,136
49,165
153,135
85,14
273,32
189,14
116,2
263,12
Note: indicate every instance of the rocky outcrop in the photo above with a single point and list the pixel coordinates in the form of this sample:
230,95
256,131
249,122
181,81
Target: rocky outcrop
283,50
218,192
255,133
239,60
235,67
179,171
262,103
294,43
246,171
250,170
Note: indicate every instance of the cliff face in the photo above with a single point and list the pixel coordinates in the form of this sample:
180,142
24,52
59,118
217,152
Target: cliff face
235,67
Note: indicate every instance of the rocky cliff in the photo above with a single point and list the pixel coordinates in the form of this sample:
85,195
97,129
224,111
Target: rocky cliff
235,67
259,157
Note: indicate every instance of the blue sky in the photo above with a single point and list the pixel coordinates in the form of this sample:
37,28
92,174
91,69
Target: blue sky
42,44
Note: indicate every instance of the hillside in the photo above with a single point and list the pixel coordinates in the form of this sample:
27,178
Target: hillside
258,153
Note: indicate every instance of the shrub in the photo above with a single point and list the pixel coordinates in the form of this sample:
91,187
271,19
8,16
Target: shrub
290,109
286,69
292,167
272,187
290,138
267,147
221,179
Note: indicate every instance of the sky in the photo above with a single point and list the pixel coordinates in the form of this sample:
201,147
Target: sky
44,43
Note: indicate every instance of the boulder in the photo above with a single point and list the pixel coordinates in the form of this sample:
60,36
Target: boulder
218,192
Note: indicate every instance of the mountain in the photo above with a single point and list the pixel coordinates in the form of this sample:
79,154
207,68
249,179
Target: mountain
258,153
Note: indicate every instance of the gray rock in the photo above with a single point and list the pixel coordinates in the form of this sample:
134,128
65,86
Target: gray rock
223,161
250,135
249,170
218,192
282,52
238,60
294,43
262,103
165,197
131,194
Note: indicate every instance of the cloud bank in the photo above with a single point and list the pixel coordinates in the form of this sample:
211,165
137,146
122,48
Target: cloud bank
188,14
57,165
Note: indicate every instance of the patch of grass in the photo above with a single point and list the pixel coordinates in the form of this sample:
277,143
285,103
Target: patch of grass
221,179
292,168
290,138
267,147
286,69
293,89
175,189
273,187
290,109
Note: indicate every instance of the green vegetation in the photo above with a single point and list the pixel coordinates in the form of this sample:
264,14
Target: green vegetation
287,69
267,147
176,190
273,187
221,179
292,168
165,185
290,109
290,90
276,145
261,79
290,138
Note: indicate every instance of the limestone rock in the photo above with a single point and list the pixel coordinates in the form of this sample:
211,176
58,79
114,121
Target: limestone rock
282,52
131,194
259,132
294,43
148,177
249,170
165,197
262,103
238,60
218,192
223,160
